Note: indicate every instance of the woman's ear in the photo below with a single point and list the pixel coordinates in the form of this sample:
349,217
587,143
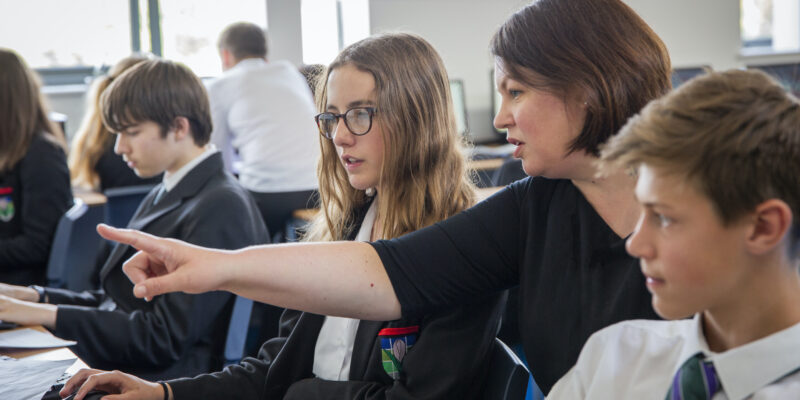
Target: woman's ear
772,221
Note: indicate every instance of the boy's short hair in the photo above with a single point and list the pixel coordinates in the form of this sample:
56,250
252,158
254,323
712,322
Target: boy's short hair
244,40
735,135
158,91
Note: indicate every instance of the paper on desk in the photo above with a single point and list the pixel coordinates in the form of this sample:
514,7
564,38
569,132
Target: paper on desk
31,339
29,379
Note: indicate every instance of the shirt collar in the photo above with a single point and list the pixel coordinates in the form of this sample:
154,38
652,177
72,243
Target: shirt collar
172,180
365,231
745,369
248,63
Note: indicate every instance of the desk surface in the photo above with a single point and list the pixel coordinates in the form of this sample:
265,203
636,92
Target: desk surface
307,214
90,197
486,164
58,353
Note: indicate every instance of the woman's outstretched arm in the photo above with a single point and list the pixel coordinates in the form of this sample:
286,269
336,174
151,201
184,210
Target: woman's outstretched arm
337,278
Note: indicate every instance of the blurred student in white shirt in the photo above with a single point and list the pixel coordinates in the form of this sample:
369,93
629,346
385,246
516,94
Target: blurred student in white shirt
264,126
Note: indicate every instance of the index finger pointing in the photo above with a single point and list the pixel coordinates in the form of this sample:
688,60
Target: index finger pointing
139,240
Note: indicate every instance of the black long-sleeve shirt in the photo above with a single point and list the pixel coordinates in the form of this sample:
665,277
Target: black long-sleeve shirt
573,273
34,194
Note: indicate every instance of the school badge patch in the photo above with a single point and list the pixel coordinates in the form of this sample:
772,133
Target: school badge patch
395,343
6,204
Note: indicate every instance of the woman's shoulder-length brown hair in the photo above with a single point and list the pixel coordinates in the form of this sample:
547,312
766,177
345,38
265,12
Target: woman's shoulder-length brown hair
600,49
23,111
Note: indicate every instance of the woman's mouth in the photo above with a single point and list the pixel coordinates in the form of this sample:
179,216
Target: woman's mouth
518,149
351,163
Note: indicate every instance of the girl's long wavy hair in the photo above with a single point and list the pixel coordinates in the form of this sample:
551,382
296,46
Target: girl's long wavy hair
424,176
92,138
23,111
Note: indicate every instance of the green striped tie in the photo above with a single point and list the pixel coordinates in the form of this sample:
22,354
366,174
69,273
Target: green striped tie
695,380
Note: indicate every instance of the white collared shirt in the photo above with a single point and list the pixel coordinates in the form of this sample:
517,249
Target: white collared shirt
264,111
638,359
172,180
334,349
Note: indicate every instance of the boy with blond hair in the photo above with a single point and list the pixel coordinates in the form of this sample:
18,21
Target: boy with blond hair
718,236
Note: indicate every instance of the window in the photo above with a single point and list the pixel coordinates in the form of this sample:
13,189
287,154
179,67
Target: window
71,41
66,34
190,28
328,26
769,26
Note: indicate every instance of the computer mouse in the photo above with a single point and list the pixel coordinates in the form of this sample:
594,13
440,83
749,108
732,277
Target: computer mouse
92,395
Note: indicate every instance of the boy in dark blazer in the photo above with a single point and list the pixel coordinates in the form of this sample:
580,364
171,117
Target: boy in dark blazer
159,111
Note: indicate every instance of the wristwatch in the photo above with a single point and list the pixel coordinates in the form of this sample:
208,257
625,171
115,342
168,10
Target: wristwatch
41,292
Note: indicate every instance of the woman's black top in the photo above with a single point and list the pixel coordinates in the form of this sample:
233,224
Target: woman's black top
34,194
573,273
114,172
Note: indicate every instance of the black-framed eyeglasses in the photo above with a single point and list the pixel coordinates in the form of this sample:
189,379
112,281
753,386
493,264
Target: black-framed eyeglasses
358,121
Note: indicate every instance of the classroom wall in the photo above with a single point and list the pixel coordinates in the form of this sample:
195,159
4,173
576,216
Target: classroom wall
460,30
695,32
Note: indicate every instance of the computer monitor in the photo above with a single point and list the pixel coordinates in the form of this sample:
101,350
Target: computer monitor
787,74
496,98
459,105
681,75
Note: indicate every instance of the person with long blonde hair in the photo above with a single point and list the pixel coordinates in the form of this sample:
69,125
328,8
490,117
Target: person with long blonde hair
34,180
92,161
391,163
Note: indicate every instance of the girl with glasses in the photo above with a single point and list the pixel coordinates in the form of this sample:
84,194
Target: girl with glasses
391,164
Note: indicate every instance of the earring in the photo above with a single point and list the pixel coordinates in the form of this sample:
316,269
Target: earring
370,192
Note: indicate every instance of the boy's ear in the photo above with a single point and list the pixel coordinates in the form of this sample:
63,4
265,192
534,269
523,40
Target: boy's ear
227,58
181,128
772,221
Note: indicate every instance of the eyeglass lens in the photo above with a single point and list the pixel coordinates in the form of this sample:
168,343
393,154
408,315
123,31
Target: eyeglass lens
358,120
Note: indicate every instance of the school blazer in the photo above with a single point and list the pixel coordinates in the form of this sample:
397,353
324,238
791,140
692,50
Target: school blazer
447,360
34,194
176,334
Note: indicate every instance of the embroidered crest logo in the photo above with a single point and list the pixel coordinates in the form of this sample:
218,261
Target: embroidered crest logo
395,344
6,204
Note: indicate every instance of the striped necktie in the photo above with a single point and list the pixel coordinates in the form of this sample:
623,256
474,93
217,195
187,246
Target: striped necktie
160,194
696,379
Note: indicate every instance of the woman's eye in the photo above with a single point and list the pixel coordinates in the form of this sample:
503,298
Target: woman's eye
514,93
664,220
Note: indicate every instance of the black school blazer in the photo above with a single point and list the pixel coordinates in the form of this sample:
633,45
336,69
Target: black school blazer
176,334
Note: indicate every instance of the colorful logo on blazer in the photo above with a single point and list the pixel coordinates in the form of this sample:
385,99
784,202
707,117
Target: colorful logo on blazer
6,204
395,344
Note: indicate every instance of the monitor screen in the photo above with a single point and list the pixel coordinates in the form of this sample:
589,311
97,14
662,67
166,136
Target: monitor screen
681,75
459,105
787,74
496,98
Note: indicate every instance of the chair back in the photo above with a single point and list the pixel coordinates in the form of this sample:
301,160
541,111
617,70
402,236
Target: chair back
510,171
74,249
237,330
507,377
122,202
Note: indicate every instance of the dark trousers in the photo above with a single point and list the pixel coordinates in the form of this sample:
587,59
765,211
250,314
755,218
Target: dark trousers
277,208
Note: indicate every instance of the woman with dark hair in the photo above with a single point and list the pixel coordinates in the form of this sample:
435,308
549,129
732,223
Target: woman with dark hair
570,73
34,179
